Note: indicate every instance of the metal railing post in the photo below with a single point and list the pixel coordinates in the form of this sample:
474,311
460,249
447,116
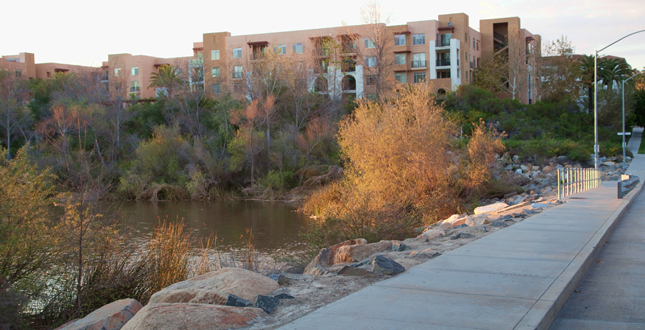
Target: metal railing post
559,196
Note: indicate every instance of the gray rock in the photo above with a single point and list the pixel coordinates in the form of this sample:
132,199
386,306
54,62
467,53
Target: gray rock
284,296
498,224
317,270
484,229
266,303
538,205
361,263
281,279
353,271
518,171
398,246
461,235
236,301
461,226
384,266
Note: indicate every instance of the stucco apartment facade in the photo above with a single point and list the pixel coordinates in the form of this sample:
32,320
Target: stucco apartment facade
443,52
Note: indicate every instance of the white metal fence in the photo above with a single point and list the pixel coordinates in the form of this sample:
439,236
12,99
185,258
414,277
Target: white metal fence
575,180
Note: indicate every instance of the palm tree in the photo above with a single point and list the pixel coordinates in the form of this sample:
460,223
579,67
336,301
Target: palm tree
168,77
614,70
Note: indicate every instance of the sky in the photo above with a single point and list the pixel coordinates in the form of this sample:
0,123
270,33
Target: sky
85,32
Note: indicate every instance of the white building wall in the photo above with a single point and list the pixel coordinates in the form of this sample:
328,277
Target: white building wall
455,52
433,59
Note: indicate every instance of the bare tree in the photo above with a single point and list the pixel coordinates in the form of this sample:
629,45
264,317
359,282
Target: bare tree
374,46
558,71
13,115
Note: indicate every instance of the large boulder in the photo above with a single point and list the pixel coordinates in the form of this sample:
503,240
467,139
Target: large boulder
109,317
384,266
214,287
327,256
354,253
490,208
192,316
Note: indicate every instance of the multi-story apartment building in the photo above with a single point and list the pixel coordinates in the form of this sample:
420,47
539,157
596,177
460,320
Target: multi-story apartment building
24,66
340,61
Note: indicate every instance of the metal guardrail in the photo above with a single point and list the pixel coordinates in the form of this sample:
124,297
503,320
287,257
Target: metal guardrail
575,180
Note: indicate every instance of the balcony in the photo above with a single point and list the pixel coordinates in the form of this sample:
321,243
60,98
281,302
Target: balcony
443,43
443,62
237,75
134,89
419,64
472,64
257,56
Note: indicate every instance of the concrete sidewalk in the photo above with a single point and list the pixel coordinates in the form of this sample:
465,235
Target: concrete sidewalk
516,278
612,293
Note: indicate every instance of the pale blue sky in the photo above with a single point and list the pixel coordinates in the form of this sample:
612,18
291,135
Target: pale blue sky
83,32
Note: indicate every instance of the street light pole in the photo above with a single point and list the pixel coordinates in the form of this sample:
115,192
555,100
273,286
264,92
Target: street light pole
595,109
624,81
595,97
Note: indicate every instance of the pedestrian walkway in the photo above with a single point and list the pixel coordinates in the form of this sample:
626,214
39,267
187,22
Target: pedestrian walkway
612,293
516,278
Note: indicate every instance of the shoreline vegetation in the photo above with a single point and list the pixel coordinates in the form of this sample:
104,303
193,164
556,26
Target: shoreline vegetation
372,169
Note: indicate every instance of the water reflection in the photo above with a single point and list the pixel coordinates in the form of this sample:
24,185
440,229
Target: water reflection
275,225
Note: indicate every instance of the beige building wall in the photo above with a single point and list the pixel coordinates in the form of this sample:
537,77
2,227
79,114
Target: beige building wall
505,34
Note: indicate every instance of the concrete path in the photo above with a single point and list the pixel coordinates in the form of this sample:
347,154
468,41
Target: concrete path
612,293
516,278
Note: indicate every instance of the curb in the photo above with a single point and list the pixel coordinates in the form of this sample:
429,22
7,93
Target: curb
545,310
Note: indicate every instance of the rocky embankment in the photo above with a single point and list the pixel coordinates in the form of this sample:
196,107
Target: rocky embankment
238,298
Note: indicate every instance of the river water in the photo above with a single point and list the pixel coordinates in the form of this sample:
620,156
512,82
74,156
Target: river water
275,225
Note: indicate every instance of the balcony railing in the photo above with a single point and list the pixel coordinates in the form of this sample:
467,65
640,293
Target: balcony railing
472,64
257,56
443,62
237,75
134,89
443,43
419,64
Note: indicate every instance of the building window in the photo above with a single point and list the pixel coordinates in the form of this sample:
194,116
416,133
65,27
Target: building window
369,43
399,40
370,80
49,74
237,72
466,56
18,73
214,55
117,72
135,87
399,59
281,49
419,60
477,44
135,71
237,52
445,39
458,74
466,38
217,89
466,74
419,77
298,48
443,74
370,61
117,86
400,77
419,39
215,72
237,87
473,43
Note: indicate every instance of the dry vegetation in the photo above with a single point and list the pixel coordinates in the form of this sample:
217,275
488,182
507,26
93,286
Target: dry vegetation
404,166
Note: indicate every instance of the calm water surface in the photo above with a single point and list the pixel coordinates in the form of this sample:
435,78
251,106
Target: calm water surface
275,225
